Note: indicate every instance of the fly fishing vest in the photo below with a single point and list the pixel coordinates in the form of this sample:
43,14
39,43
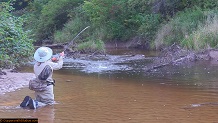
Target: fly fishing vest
40,83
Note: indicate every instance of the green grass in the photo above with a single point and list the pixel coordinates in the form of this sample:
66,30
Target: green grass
179,27
206,36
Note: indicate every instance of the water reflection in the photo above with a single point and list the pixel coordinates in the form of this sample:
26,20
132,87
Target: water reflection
45,114
9,108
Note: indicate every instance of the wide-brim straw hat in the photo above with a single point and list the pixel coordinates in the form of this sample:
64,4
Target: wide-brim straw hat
43,54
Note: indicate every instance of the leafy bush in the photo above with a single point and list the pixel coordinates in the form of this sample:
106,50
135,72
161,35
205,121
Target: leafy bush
149,26
169,8
70,30
206,36
193,29
119,20
15,45
92,46
50,15
203,4
183,24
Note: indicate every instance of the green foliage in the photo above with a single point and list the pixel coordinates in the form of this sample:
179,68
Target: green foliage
20,4
168,8
206,35
121,20
15,45
92,46
108,14
97,11
139,6
180,27
149,26
193,29
70,30
51,15
203,4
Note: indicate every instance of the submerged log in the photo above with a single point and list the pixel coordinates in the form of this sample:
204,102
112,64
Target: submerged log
156,67
173,55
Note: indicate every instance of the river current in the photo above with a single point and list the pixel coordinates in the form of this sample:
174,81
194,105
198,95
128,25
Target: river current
116,89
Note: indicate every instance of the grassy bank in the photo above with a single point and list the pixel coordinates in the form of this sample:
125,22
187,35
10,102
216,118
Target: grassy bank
193,29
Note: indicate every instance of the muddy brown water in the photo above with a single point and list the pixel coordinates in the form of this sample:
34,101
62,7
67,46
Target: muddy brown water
175,94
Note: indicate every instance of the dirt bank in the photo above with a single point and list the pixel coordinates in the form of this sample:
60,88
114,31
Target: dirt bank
11,81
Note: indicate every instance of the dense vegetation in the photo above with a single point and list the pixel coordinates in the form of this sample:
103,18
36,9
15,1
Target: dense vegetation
15,46
152,23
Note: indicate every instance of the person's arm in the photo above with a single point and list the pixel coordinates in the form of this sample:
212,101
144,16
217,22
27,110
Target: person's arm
57,65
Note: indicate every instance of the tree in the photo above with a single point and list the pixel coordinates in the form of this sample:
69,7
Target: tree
15,45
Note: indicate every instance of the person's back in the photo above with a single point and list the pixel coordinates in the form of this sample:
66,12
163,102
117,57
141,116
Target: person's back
44,96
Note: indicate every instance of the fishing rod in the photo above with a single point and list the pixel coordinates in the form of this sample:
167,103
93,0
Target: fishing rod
56,57
71,42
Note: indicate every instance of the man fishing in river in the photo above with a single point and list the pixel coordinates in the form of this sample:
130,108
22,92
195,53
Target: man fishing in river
43,69
43,83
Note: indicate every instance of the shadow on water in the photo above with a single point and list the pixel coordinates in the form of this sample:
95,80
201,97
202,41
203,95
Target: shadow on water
116,89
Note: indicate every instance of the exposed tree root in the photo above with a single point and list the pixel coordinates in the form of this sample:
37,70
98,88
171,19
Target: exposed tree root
176,55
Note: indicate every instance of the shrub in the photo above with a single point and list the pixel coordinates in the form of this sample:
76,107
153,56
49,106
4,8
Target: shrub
149,26
51,15
206,36
92,46
15,45
179,27
70,30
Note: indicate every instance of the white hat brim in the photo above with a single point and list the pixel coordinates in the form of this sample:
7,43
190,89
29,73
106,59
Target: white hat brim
45,58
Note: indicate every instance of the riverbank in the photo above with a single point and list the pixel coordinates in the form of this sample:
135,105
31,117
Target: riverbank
11,81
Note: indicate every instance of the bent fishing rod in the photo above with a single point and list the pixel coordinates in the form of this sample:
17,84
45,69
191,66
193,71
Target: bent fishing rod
56,57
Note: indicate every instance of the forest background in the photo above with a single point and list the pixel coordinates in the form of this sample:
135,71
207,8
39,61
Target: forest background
150,24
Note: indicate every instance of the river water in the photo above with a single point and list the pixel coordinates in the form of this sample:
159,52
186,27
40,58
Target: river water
116,89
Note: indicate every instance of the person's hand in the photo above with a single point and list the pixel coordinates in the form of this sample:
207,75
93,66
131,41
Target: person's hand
55,58
62,54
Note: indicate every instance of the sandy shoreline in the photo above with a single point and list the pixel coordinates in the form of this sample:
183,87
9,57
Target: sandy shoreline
13,81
